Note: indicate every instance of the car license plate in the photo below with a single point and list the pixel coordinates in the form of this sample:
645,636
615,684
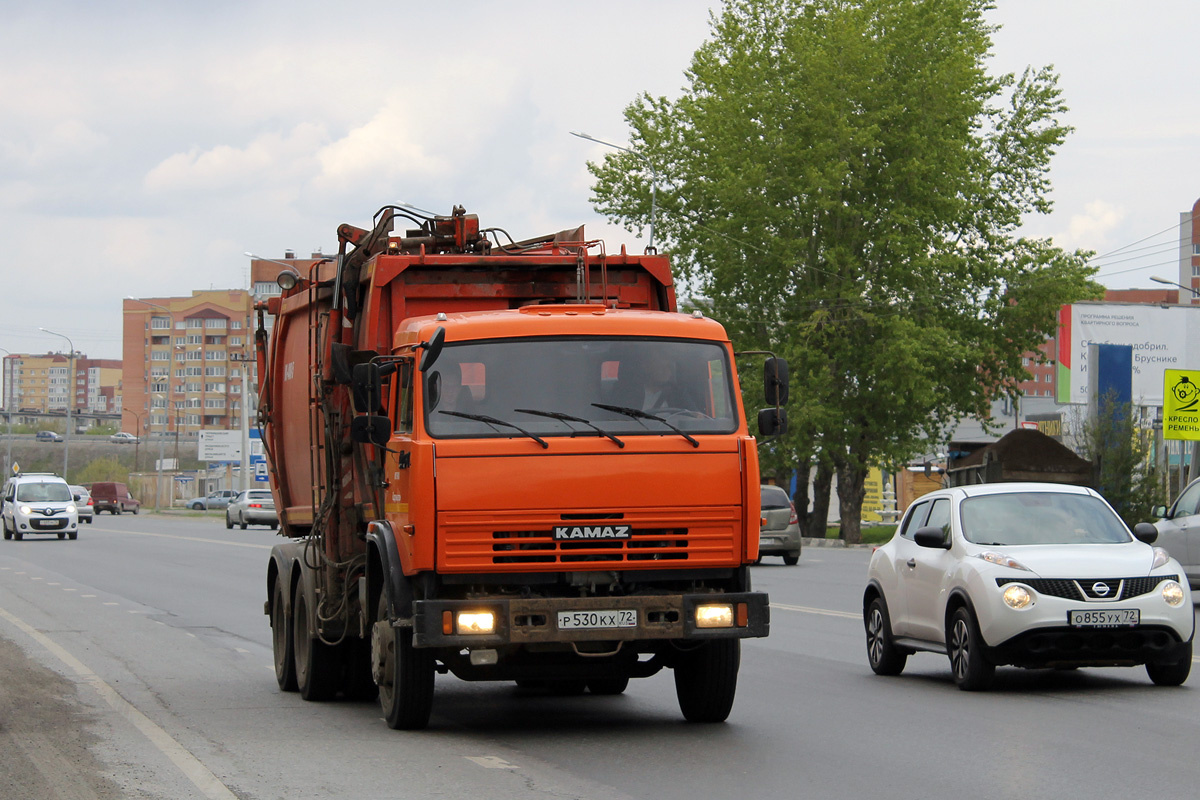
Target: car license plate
1105,618
612,618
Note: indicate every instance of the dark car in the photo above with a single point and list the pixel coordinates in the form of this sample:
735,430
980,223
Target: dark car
48,436
113,497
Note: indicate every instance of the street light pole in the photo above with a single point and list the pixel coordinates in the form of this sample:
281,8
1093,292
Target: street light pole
137,439
70,398
649,166
1195,292
8,435
161,455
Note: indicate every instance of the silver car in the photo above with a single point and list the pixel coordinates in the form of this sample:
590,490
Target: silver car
252,507
1179,531
780,536
83,504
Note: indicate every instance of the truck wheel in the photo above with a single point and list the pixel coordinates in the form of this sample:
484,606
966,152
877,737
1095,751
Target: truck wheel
357,681
317,664
403,673
706,680
281,641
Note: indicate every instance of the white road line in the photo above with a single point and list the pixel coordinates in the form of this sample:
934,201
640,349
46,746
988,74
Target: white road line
822,611
191,539
491,762
195,771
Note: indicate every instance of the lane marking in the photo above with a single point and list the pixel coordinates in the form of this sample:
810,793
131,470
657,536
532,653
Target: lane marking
822,611
192,768
491,762
191,539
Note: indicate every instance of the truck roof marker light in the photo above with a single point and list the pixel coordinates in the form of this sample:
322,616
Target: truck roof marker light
441,316
697,314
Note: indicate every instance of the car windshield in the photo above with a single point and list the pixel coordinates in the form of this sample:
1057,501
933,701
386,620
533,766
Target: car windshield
260,496
579,387
1032,518
43,493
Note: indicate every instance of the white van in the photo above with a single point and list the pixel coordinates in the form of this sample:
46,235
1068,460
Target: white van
39,503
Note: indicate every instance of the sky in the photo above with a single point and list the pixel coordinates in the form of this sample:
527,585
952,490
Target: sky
145,146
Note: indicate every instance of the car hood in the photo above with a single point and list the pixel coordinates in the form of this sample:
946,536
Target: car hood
1082,560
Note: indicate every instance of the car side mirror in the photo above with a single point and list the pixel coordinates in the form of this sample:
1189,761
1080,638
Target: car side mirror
77,497
932,536
1159,511
1145,532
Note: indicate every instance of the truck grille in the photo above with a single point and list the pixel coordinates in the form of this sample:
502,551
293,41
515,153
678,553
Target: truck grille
467,543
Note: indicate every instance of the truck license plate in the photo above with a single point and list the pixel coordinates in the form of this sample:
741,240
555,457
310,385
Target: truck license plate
1105,618
615,618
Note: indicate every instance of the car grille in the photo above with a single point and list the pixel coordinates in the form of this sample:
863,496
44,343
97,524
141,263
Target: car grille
1072,589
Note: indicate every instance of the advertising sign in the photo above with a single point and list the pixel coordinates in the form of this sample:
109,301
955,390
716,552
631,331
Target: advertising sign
1162,337
1181,404
220,446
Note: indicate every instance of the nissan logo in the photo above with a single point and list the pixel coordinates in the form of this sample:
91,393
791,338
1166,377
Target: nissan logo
1100,588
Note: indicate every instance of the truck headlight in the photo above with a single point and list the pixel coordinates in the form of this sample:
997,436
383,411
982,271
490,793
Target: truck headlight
714,616
475,622
1017,596
1172,593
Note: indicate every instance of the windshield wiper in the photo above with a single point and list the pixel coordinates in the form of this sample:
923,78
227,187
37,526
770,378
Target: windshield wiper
637,413
494,421
568,418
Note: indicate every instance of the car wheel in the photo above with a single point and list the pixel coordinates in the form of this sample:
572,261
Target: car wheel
1171,674
228,523
274,525
18,535
136,509
882,654
791,559
242,523
7,532
972,671
62,535
73,535
116,511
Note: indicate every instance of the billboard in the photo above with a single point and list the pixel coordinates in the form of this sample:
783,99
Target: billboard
1162,337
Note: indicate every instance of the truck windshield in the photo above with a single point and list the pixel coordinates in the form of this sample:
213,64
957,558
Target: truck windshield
580,387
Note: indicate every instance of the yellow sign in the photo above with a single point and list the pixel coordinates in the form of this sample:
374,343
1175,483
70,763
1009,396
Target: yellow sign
1181,404
873,497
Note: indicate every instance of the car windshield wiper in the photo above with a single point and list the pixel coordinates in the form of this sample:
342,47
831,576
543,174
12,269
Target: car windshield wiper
568,418
637,413
494,421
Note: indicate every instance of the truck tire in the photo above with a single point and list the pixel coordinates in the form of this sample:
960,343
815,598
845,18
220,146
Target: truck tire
281,641
706,680
607,685
317,664
403,673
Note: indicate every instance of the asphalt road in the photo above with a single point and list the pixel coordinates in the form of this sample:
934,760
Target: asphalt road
136,663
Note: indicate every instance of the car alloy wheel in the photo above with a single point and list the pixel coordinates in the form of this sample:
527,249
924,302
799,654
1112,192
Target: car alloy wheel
883,655
972,671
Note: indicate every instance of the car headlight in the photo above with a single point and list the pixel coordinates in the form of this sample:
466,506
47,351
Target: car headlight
1160,557
1017,596
992,557
71,509
26,510
1172,593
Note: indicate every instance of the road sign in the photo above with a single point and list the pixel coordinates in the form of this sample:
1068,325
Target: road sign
219,446
1181,404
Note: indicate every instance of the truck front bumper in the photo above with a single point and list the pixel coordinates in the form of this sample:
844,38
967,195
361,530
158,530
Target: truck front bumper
516,621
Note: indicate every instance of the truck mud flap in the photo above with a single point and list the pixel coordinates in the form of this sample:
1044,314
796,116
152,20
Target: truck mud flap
583,619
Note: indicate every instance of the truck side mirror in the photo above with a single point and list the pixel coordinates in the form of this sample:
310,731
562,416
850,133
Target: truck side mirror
367,388
370,429
433,348
772,421
775,381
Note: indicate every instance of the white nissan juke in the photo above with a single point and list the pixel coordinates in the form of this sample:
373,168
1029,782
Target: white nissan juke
1030,575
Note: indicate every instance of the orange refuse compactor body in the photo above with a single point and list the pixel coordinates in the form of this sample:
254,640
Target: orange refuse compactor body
506,462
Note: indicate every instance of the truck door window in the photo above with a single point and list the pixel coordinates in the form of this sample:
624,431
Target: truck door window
402,405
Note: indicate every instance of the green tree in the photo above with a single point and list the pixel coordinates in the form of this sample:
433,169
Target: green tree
844,182
102,469
1121,456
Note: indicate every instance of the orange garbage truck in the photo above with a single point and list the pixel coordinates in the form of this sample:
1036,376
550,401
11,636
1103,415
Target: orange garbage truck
506,461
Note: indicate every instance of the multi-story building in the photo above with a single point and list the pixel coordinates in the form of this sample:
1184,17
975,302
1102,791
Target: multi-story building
187,362
1189,254
41,384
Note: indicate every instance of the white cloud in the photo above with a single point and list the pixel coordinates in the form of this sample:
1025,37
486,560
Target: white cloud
268,157
1092,229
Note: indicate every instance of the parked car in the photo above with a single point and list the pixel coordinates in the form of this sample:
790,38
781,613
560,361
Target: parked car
218,499
38,503
252,507
780,535
121,437
1179,531
1028,574
48,436
113,497
83,503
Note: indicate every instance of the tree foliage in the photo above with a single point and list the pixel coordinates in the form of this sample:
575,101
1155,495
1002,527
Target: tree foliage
843,181
1121,455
